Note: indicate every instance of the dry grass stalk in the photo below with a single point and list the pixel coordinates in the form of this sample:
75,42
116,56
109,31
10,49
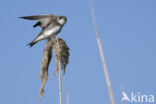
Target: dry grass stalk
60,82
102,56
61,53
58,65
47,55
61,57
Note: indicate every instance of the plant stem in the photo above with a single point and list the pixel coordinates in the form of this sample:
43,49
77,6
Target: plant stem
102,56
60,82
60,85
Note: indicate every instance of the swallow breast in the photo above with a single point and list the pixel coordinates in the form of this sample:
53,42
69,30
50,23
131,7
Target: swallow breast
52,31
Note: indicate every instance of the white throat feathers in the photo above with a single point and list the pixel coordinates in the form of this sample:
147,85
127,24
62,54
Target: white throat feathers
61,21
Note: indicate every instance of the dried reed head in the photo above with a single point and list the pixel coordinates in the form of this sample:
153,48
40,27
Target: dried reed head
61,57
61,54
47,55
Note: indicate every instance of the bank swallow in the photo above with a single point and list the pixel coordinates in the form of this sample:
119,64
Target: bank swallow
51,26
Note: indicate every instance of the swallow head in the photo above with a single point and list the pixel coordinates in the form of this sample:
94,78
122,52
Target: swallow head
62,20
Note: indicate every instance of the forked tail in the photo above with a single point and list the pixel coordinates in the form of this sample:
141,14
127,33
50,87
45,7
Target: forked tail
31,44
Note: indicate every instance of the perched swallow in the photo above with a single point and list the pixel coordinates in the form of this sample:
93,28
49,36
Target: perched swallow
51,26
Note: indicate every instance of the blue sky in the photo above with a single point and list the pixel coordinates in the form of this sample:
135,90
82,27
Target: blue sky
127,31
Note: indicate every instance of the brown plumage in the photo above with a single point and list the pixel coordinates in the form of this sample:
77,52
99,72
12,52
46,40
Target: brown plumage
43,20
51,24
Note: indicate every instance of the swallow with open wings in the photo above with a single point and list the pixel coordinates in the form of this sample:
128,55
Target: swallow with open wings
51,26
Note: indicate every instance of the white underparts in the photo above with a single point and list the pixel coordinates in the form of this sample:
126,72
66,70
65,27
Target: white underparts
46,34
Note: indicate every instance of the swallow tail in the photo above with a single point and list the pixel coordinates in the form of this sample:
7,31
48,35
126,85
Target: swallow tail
31,43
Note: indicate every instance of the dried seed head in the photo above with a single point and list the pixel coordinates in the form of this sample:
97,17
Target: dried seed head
47,55
61,54
61,57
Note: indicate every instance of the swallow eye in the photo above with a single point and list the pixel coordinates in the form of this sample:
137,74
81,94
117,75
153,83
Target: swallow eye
60,18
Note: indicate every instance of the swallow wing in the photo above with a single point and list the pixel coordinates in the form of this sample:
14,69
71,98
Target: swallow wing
43,20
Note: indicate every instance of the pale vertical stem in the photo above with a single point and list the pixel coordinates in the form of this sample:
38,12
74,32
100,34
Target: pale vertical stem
60,82
102,56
